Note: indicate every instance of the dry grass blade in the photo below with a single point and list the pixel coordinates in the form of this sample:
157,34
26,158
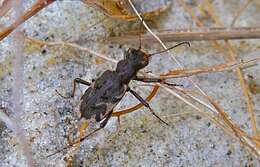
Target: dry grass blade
18,87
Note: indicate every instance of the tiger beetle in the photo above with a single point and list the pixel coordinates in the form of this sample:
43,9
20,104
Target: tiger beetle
107,91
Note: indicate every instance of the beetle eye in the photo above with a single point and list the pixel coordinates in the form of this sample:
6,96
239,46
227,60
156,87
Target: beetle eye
128,53
125,54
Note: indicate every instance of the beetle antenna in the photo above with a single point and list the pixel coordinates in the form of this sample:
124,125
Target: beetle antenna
182,43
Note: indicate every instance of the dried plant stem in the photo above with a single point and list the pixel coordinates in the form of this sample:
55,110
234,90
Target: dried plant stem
238,132
192,35
216,68
208,115
37,6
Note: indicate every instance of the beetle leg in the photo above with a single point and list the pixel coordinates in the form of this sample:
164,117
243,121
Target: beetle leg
102,125
152,80
75,82
146,104
82,128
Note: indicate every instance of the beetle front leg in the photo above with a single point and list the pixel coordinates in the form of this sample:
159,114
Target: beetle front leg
75,82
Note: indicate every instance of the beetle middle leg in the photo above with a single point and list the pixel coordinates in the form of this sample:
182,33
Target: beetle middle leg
146,104
75,82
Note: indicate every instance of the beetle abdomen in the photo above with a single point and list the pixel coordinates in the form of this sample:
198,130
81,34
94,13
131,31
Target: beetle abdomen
102,97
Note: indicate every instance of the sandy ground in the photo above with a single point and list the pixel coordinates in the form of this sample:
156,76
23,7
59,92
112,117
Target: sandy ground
140,139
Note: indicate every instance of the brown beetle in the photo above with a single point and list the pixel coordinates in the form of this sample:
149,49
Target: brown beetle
105,92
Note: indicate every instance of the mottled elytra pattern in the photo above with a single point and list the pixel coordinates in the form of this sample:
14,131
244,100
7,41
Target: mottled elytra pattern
100,99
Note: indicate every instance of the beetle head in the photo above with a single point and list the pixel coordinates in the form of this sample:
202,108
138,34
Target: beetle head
137,58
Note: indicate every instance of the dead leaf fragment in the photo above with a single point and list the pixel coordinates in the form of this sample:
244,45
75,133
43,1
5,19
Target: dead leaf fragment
120,9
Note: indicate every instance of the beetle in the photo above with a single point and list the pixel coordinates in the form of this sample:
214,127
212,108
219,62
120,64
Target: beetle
106,91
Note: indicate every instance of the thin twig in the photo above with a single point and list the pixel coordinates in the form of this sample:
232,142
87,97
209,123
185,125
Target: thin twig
178,35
